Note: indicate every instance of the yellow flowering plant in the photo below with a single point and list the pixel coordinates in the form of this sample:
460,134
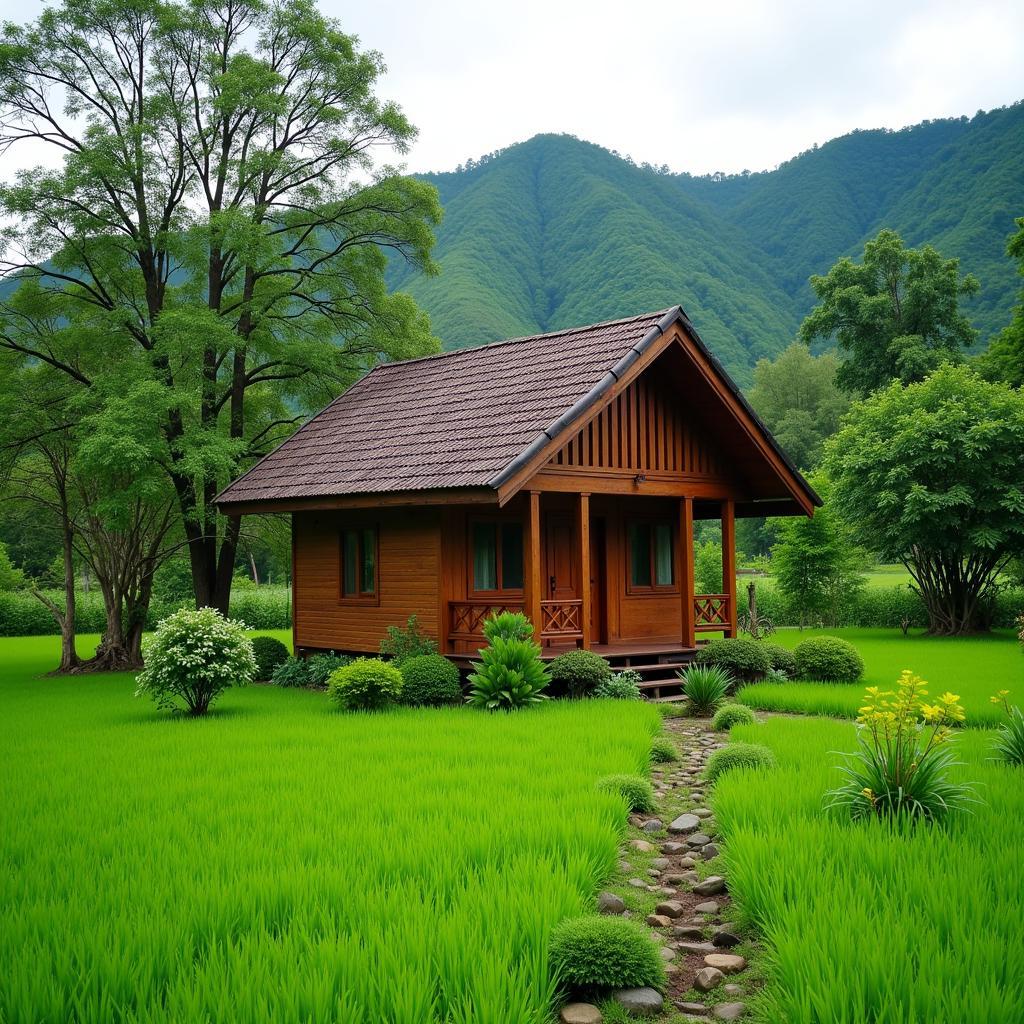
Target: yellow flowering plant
901,766
1010,738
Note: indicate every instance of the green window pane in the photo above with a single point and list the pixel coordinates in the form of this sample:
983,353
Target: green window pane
663,555
349,562
512,556
485,556
640,554
369,561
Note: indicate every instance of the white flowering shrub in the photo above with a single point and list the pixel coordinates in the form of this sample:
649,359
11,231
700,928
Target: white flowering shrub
192,657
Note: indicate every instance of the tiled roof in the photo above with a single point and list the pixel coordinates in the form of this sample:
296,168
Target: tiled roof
452,420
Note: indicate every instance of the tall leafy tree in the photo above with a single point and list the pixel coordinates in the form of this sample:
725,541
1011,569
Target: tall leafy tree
216,219
1004,358
894,316
931,475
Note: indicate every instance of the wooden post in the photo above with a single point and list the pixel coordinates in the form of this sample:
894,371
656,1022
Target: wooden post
532,552
729,560
583,537
689,636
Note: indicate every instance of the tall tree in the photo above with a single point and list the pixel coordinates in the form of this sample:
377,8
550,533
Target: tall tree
931,475
1004,358
216,214
895,316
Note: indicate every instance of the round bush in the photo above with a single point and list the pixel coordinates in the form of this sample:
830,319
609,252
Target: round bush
738,755
621,686
637,791
663,751
320,667
365,685
594,953
729,715
744,659
291,672
194,655
781,659
828,659
430,680
579,673
270,653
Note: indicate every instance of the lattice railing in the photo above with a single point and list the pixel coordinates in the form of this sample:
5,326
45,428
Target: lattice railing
561,620
711,612
466,618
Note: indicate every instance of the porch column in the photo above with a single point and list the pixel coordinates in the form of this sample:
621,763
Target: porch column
583,535
729,560
689,637
531,553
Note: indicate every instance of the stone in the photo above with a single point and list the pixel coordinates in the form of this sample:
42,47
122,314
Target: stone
697,840
694,1009
654,872
580,1013
625,866
687,862
708,978
696,947
684,823
733,990
673,878
709,852
668,953
642,845
725,938
708,907
661,862
702,812
711,886
653,825
729,1011
658,920
727,963
638,883
669,908
609,903
639,1002
671,848
688,931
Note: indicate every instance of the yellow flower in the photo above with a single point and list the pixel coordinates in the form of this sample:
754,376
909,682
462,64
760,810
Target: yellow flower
995,700
950,698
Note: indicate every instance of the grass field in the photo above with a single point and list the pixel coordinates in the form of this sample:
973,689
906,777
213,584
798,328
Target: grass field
974,667
865,924
280,861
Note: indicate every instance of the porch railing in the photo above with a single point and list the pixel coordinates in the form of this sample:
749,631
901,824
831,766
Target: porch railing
561,620
711,612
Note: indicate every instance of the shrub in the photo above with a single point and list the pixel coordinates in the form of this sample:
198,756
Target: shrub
729,715
579,673
738,755
705,687
291,672
663,751
1010,737
744,659
781,659
508,626
320,667
623,685
509,675
193,657
270,653
401,643
828,659
901,766
430,680
636,791
366,684
595,953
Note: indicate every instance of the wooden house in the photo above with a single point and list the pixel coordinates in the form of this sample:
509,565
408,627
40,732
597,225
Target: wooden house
559,475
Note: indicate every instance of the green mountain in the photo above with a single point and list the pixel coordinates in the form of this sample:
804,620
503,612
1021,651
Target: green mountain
555,231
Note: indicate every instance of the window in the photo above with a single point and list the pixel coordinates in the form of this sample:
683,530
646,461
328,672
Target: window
359,563
651,564
497,556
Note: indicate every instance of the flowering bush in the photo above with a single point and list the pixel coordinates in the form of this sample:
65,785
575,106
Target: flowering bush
901,767
623,685
1010,739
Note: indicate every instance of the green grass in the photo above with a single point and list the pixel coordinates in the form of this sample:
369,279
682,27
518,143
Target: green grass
864,923
974,667
280,861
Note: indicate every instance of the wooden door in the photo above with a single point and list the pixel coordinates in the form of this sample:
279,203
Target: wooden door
598,576
561,565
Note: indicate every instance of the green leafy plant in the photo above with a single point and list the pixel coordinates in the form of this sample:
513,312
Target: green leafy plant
744,659
623,685
738,755
901,766
367,684
509,675
781,659
270,653
635,790
430,680
193,657
508,626
663,751
596,953
292,672
320,667
729,715
1010,737
705,687
828,659
579,673
403,642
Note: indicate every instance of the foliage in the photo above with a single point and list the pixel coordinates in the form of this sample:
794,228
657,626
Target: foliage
749,756
172,582
367,684
729,715
781,659
269,653
707,567
894,316
430,680
929,475
1004,358
508,626
663,750
11,577
193,657
634,790
400,643
1010,738
597,953
510,675
291,672
744,659
579,672
320,667
902,764
623,685
828,659
705,687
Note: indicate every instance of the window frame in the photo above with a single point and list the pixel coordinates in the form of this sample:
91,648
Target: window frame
360,597
501,592
653,589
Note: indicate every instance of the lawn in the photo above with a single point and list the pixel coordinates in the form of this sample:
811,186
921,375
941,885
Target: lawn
863,923
280,861
974,667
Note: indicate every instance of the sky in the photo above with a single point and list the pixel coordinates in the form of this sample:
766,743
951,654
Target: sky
701,87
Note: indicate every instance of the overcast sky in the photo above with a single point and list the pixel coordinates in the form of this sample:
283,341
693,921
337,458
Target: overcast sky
701,87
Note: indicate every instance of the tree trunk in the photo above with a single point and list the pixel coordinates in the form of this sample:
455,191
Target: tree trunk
69,660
